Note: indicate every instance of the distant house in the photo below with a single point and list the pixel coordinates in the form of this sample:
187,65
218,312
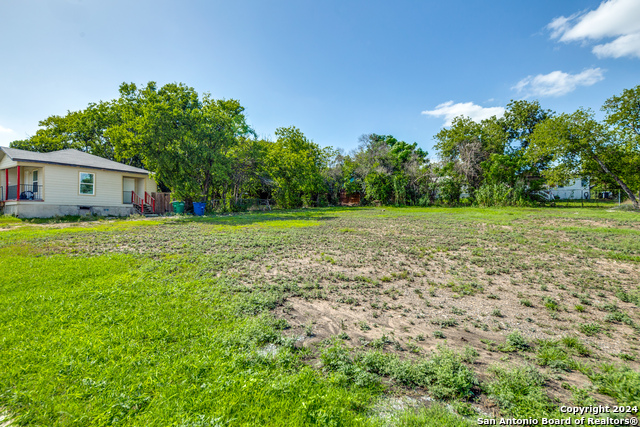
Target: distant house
574,190
71,182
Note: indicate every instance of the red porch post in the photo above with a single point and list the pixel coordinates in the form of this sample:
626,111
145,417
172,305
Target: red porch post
18,189
6,183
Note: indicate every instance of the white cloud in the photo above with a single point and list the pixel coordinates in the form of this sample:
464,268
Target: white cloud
617,19
560,25
558,83
628,45
5,130
449,111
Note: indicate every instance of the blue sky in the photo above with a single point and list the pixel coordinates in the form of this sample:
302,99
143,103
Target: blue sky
334,69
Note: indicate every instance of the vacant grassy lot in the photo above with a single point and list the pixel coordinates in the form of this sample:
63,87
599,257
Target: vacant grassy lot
328,317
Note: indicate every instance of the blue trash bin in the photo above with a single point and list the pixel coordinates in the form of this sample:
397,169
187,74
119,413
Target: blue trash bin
198,208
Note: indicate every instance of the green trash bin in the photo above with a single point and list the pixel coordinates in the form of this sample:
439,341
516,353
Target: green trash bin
178,207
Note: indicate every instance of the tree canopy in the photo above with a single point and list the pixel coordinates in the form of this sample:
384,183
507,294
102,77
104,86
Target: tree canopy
580,145
202,148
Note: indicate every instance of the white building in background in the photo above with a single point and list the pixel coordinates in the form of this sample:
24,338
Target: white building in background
575,190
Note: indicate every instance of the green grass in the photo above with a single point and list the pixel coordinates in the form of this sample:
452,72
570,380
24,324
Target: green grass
621,383
183,321
433,416
117,340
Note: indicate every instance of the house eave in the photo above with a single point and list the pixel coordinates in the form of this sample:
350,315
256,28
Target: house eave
140,172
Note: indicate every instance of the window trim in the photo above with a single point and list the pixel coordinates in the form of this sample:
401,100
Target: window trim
93,193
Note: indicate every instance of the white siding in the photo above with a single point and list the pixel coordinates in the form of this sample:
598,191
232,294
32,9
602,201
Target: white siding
6,162
576,184
62,186
150,185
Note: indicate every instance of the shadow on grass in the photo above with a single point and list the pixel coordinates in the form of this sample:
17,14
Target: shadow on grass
245,218
12,220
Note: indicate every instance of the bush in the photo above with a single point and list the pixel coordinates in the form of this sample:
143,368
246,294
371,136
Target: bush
503,195
517,341
379,187
493,195
618,317
444,374
450,191
337,359
448,376
519,392
550,354
575,345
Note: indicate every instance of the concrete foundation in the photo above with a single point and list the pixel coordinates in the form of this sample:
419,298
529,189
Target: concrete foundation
39,210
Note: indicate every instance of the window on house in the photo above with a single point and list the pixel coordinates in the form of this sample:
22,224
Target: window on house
87,183
34,181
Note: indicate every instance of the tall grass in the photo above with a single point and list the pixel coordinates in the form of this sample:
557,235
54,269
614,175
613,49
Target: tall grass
503,195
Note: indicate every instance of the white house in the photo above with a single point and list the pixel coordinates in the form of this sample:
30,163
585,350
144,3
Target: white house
71,182
574,190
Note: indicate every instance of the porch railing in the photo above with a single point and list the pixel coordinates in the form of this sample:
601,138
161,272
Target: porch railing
25,192
136,200
150,201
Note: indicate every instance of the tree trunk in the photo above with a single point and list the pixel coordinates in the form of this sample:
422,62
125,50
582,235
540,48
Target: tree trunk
624,187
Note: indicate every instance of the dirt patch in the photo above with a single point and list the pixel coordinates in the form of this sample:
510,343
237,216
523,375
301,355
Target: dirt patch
5,420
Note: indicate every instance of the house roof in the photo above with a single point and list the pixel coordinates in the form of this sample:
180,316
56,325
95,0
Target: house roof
70,157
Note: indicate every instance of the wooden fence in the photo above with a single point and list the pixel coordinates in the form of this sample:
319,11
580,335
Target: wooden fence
163,202
349,199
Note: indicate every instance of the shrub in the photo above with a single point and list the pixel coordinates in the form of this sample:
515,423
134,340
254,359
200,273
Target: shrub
517,341
445,323
448,377
519,392
337,359
379,187
618,317
444,374
628,297
550,303
550,354
502,195
493,195
450,191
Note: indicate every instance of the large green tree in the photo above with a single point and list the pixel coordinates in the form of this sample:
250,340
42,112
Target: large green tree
385,169
83,130
184,138
296,165
493,151
466,145
581,146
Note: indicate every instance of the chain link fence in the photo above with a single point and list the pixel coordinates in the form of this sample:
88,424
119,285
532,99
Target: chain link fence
583,197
